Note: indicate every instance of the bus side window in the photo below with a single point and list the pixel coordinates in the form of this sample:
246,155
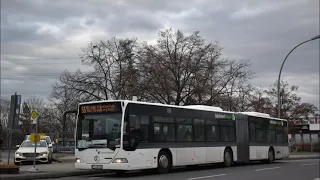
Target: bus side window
212,130
199,130
184,129
285,130
144,128
164,129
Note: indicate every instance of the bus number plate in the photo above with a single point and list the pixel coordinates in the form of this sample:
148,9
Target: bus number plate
96,166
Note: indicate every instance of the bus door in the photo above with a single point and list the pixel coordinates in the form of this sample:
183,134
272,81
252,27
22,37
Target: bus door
242,132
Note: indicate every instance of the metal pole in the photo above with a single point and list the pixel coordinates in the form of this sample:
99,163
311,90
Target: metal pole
35,145
279,102
9,145
64,123
10,130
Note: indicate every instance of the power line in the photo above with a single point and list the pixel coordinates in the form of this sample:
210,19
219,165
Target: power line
42,58
40,64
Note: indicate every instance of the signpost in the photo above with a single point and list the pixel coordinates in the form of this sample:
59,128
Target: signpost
13,118
35,137
34,116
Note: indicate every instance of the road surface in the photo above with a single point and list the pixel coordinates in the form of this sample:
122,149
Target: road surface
291,170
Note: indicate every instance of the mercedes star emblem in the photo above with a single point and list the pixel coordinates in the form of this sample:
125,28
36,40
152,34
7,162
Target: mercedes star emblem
96,158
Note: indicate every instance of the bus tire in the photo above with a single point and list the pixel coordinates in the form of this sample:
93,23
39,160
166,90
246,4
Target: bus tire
227,157
164,162
271,157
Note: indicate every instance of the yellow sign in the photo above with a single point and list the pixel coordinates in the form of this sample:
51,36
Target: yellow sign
34,114
34,137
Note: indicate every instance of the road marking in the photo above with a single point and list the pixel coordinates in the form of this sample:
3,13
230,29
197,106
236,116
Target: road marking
203,177
267,169
311,164
317,179
94,177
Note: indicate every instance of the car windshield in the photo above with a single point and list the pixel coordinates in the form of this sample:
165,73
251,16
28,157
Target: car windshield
99,130
31,144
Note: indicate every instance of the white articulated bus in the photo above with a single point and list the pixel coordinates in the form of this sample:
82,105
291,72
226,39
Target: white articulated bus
131,135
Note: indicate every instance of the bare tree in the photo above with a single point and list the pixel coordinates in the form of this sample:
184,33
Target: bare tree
63,99
44,117
4,114
287,97
183,69
291,107
113,74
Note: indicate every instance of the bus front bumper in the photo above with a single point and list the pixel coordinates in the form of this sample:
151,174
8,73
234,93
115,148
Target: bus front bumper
111,166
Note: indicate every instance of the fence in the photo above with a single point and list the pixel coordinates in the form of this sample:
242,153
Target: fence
309,142
68,146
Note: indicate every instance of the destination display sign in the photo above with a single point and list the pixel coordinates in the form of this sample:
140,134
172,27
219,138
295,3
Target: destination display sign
100,108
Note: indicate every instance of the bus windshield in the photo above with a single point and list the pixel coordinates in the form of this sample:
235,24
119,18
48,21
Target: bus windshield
98,130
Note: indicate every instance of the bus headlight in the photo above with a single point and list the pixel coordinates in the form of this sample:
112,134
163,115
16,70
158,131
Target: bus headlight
78,160
120,160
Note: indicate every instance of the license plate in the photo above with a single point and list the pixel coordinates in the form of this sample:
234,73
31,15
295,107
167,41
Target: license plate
29,158
96,166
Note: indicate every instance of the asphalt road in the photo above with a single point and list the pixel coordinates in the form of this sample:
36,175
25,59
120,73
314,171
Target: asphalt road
282,170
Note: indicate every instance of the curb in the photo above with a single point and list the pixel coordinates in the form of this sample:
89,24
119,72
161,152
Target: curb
44,175
298,158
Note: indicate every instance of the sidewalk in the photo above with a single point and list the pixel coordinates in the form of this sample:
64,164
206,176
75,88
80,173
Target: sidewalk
63,158
55,170
304,155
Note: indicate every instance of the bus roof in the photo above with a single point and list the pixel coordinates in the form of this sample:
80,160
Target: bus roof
194,107
263,115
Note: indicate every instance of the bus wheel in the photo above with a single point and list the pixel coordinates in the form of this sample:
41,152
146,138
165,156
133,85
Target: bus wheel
164,162
227,158
270,156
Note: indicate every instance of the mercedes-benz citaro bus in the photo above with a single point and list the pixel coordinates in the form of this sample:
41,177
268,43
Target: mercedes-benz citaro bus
124,135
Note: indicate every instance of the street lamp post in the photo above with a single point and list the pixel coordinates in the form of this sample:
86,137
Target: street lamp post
279,101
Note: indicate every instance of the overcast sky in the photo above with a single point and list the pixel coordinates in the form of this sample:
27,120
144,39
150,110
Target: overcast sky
41,38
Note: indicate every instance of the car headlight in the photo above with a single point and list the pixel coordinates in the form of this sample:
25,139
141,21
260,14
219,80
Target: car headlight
43,153
120,160
78,160
18,153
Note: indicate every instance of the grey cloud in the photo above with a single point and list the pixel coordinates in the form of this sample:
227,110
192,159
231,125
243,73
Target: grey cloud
264,37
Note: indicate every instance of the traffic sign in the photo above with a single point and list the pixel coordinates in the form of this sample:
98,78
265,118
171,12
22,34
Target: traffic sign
35,137
34,114
15,104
